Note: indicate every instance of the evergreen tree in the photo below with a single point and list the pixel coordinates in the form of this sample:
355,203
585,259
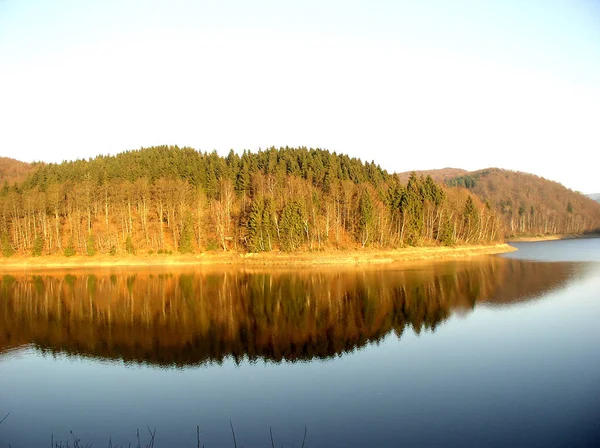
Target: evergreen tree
90,245
38,246
255,227
129,247
365,219
70,249
186,240
292,218
7,249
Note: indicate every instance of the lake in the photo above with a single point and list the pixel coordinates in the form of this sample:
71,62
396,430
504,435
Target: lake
488,351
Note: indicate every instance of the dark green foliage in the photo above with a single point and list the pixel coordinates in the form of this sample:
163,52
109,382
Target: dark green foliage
446,235
206,169
113,251
212,245
468,181
38,246
365,218
7,249
411,205
186,241
90,245
292,226
69,251
261,230
432,192
129,247
287,198
470,212
570,207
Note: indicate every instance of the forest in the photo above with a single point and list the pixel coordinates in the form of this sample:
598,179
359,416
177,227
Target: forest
168,199
528,205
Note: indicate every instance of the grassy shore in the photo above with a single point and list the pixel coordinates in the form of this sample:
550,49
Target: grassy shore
331,258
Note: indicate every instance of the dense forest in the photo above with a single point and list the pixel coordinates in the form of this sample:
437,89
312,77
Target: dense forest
528,204
275,316
165,199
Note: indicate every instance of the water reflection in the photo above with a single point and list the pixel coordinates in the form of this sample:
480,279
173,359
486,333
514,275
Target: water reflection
196,317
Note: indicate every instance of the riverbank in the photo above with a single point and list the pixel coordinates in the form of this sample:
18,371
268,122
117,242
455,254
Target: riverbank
569,236
282,259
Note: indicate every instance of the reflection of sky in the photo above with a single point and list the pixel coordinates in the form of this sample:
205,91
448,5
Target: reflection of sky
587,249
519,375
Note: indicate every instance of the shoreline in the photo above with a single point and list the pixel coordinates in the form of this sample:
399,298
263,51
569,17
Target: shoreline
569,236
276,259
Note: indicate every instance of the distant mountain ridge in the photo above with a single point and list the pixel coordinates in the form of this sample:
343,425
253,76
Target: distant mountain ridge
529,204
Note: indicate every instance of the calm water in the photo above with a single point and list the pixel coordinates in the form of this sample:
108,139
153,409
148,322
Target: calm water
493,351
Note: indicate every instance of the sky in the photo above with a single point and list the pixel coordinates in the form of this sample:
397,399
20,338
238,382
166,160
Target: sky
411,85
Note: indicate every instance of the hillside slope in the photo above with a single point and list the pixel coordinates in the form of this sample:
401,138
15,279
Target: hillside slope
440,175
164,199
12,170
531,205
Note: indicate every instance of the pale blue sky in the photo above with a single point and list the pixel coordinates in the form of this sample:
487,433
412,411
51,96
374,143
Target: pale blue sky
409,84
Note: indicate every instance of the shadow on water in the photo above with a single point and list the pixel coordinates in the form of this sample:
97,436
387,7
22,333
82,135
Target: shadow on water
196,317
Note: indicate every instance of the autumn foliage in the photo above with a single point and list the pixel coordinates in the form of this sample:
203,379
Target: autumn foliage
170,199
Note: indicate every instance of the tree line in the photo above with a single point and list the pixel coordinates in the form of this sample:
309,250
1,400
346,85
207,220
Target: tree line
531,205
164,199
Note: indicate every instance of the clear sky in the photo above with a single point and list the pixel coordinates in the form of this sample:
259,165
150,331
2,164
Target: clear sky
414,84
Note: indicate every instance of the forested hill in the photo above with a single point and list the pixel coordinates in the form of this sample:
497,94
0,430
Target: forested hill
12,170
439,175
531,205
164,199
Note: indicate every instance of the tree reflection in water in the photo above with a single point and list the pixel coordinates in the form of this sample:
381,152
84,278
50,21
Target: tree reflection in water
196,317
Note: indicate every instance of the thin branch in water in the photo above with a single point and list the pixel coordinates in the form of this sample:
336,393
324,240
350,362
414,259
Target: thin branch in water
304,439
5,417
233,432
152,436
198,434
272,443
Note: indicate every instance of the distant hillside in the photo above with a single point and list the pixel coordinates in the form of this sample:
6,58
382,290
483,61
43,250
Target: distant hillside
437,175
530,204
12,170
594,196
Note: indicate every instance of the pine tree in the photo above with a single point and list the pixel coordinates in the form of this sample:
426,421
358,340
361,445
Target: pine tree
90,245
186,240
129,247
255,226
38,246
292,217
7,249
365,219
70,249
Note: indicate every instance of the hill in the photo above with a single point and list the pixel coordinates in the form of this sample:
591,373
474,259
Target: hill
529,204
164,199
12,170
439,175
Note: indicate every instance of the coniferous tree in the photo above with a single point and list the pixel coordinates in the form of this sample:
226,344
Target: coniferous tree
38,246
7,248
